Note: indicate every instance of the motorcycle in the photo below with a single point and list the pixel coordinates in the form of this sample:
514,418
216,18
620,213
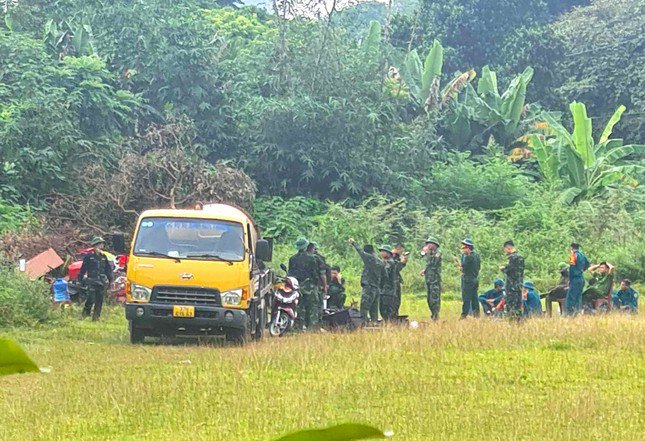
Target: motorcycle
285,302
115,291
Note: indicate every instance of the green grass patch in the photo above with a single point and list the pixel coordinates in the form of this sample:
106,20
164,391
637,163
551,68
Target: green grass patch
452,380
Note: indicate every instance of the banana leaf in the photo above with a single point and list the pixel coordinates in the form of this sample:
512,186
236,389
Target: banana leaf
487,88
548,160
574,167
582,133
432,68
570,195
343,432
372,44
621,152
13,360
558,128
609,128
412,73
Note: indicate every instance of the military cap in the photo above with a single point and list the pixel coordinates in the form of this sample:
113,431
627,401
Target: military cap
528,284
433,240
301,243
97,240
499,282
468,242
385,248
563,265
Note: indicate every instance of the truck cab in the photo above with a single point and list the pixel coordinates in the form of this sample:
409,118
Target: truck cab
198,272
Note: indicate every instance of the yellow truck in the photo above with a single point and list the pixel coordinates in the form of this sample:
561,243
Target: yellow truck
198,272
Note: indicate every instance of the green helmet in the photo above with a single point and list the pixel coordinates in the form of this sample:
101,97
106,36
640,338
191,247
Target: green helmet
433,240
469,242
97,240
301,243
385,248
562,266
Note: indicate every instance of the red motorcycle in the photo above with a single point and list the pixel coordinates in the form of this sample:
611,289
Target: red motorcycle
116,289
283,310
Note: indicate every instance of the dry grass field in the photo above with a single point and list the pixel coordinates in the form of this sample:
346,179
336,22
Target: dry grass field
544,379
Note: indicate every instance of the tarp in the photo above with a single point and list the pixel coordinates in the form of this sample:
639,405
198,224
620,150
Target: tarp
43,263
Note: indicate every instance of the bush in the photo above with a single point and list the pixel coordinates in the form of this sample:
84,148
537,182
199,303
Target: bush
490,185
286,219
14,217
22,302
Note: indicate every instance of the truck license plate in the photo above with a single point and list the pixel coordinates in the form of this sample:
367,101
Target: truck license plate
183,311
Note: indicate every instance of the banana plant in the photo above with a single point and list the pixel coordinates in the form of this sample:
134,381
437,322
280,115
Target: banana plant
69,37
587,168
423,79
483,111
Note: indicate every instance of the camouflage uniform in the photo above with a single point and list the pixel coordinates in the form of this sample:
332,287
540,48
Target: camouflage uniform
398,267
305,268
336,294
370,282
320,288
514,271
470,264
433,282
388,290
99,276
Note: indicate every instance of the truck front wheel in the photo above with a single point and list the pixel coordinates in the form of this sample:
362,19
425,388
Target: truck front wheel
137,335
238,336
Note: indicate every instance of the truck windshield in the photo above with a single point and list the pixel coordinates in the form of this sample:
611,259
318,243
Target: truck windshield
190,239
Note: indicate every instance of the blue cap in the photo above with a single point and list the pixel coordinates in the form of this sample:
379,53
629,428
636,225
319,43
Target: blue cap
499,282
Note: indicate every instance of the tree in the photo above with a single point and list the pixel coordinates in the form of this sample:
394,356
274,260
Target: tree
163,167
586,167
604,59
52,113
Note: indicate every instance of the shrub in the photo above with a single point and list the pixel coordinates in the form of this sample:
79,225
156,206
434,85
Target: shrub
490,185
14,217
286,219
22,302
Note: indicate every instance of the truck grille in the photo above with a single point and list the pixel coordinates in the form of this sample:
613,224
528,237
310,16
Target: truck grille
180,295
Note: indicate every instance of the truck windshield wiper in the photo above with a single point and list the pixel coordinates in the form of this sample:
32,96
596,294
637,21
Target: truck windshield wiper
210,256
158,254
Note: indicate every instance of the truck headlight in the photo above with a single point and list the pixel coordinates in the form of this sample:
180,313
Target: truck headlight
140,292
232,297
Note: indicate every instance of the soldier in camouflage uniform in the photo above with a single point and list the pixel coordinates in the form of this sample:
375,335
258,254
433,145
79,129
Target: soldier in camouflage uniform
321,280
514,271
432,274
400,260
373,270
388,284
336,290
469,265
305,268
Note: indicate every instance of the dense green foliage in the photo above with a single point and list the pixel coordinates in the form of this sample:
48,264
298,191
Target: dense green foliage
22,302
13,217
541,226
421,103
327,108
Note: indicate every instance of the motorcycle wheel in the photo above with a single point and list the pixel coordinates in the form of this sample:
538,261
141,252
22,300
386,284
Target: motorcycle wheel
279,325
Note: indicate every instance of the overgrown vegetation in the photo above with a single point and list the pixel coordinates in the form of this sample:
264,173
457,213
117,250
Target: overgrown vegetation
22,302
541,226
335,104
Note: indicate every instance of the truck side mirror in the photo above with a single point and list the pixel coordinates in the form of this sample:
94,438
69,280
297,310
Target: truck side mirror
263,251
